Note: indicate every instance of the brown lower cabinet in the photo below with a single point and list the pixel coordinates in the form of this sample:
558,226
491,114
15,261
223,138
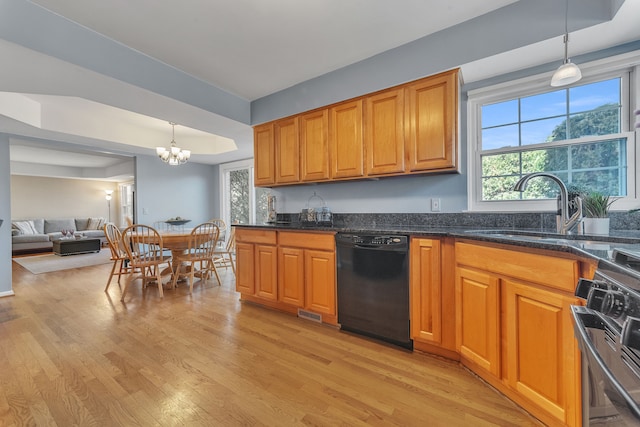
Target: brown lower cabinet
478,319
288,270
432,310
514,327
256,254
502,311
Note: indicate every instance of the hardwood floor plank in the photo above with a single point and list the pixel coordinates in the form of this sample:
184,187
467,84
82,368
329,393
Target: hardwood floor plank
19,410
73,354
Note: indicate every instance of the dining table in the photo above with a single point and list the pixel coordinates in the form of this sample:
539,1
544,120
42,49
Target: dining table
177,241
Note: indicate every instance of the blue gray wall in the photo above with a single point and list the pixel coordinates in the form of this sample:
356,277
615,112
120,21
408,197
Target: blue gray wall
164,191
409,194
5,214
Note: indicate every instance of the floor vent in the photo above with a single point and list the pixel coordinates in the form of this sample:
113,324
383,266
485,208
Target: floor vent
309,315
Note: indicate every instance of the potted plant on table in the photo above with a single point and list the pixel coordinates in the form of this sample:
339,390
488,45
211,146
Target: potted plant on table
595,206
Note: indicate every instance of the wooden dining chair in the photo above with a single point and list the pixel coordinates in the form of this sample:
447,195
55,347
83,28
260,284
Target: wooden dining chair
224,257
201,247
222,226
222,239
145,252
118,253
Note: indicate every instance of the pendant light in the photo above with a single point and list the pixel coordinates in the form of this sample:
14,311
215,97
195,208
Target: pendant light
568,72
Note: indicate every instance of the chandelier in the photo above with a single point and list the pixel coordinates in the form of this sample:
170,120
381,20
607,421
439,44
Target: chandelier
174,155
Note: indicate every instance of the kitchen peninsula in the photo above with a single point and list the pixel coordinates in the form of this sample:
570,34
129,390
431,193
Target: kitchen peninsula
481,287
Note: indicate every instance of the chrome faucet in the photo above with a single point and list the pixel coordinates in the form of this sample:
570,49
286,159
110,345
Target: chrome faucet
564,222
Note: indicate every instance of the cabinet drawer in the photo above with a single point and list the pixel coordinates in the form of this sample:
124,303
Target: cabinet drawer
256,236
558,273
321,241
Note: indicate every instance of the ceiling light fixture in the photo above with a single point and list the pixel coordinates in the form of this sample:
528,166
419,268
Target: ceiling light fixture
174,155
568,72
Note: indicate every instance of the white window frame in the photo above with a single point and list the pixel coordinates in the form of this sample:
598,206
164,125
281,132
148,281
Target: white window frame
617,66
225,169
125,207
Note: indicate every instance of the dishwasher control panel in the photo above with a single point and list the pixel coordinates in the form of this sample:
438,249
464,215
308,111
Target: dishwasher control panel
371,239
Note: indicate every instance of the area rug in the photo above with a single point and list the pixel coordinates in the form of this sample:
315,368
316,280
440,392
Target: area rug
47,263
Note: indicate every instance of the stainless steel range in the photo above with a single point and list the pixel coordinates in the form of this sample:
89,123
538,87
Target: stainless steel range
608,332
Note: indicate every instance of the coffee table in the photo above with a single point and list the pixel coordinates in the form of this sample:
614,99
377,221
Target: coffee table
75,246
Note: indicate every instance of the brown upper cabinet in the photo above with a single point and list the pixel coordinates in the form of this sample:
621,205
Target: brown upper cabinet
407,129
314,146
264,155
287,144
384,132
432,123
346,140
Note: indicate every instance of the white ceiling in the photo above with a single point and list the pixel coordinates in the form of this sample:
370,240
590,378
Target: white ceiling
250,49
253,48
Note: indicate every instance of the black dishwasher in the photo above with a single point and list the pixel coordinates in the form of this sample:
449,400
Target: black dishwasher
373,286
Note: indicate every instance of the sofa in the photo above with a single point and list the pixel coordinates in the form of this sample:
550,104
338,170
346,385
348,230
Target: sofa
38,234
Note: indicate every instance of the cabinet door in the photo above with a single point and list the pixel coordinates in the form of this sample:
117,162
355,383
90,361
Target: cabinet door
541,352
245,268
477,314
384,132
264,155
291,276
345,140
266,275
432,121
287,150
320,279
314,145
426,297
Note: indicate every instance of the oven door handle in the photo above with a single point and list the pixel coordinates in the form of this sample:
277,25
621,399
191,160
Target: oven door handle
585,318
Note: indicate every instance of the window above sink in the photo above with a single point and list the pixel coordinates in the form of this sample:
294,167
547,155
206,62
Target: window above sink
582,133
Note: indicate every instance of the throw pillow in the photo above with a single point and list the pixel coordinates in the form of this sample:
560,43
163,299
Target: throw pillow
25,227
95,224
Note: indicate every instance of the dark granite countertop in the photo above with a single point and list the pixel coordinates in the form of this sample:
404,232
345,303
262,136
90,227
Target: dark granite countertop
600,248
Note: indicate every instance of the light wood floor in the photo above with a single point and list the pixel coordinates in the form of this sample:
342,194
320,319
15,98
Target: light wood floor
71,354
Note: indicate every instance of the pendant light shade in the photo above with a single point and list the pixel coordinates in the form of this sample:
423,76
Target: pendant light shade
568,72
